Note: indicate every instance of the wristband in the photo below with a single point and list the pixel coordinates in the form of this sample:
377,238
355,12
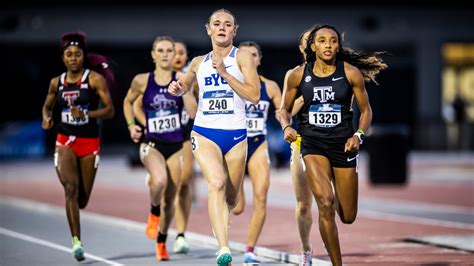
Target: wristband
360,136
130,122
361,131
285,128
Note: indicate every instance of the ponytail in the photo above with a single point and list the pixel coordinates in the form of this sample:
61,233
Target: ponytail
101,65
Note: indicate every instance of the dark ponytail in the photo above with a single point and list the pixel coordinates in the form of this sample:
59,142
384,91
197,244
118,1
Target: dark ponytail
101,65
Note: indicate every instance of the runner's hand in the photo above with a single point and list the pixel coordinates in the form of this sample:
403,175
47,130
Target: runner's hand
176,88
135,132
47,123
290,134
352,144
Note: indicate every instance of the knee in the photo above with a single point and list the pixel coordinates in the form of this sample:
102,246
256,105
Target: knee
349,217
326,207
260,200
159,182
71,190
216,185
303,208
83,203
238,209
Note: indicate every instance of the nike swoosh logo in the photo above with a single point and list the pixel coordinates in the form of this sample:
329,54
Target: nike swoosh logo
236,138
335,79
352,159
228,66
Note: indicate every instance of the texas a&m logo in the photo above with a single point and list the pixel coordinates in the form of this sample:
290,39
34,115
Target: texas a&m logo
323,94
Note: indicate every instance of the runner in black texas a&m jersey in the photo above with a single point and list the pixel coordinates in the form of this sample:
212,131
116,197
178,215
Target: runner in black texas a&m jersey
163,112
81,95
327,108
332,77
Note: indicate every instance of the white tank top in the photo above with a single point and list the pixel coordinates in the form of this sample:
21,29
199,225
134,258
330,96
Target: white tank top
219,106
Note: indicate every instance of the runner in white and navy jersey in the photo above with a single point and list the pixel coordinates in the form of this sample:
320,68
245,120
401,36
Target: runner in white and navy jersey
226,77
258,159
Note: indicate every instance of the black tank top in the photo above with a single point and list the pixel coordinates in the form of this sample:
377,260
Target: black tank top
327,108
79,94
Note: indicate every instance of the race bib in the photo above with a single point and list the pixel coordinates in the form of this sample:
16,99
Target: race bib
325,115
255,121
67,118
218,102
163,121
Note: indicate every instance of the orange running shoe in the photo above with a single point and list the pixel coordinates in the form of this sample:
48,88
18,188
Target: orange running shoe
161,252
152,226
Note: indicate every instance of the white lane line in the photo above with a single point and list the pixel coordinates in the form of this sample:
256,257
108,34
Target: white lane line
52,245
193,238
412,219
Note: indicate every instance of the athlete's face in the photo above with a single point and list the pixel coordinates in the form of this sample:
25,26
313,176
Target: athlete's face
326,44
221,28
254,52
73,58
163,54
181,56
304,41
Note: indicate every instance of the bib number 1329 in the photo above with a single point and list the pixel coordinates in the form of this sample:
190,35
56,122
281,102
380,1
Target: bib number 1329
325,115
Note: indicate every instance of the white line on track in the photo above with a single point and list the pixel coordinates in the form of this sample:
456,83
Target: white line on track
193,238
52,245
415,220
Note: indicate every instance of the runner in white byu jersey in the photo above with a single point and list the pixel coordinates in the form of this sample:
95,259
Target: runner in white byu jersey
226,77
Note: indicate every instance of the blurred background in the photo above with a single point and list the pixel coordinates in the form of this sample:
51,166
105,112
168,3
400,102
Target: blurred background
424,100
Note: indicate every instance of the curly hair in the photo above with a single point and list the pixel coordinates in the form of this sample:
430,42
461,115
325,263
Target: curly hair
369,64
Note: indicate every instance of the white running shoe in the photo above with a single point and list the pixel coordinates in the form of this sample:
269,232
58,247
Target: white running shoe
181,245
250,257
306,258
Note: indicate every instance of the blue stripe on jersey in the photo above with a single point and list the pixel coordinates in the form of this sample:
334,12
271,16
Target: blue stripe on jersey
232,53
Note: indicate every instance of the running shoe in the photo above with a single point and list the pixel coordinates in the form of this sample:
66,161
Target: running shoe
250,257
152,226
77,249
306,258
181,245
161,252
224,257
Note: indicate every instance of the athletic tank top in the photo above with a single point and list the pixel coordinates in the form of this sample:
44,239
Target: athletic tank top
327,108
257,114
162,111
219,106
81,95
